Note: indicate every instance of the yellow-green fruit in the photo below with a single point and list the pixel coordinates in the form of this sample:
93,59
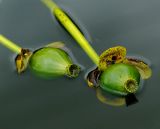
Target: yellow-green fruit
120,79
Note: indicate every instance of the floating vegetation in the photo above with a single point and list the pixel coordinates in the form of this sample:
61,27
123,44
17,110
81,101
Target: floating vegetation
49,61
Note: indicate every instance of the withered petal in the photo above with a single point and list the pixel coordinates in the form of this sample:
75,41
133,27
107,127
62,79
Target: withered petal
142,67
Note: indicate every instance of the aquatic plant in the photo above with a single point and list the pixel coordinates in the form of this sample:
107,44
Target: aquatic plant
49,61
115,73
118,75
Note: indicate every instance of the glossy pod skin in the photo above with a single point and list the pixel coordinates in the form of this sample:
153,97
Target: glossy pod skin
54,62
120,79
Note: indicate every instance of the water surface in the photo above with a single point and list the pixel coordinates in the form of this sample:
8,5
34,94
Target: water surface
28,102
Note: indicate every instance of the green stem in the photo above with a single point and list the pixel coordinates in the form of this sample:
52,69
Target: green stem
72,29
9,44
50,4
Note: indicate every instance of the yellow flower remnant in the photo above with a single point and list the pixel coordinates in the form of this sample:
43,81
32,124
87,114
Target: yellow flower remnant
111,56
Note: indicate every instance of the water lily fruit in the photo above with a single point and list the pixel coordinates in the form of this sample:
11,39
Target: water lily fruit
120,79
118,75
50,61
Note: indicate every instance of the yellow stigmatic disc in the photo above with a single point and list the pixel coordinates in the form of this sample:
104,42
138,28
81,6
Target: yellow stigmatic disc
111,56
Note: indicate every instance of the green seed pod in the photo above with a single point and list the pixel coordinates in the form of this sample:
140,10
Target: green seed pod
119,75
120,79
49,61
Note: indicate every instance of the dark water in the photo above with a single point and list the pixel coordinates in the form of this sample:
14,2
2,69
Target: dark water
28,102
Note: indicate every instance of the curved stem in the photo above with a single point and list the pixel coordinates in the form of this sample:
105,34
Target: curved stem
9,44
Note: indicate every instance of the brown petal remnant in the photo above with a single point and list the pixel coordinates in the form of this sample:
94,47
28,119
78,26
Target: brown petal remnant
93,78
22,59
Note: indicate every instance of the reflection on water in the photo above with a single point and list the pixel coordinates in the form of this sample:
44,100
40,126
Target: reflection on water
115,101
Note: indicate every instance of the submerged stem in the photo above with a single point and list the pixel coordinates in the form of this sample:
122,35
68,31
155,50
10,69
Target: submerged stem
9,44
72,29
50,4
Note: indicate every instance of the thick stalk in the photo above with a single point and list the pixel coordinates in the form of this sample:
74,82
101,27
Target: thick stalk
72,29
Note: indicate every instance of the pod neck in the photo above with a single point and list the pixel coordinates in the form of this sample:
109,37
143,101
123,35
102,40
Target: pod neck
72,70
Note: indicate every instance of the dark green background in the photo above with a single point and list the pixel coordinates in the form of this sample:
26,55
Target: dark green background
29,102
